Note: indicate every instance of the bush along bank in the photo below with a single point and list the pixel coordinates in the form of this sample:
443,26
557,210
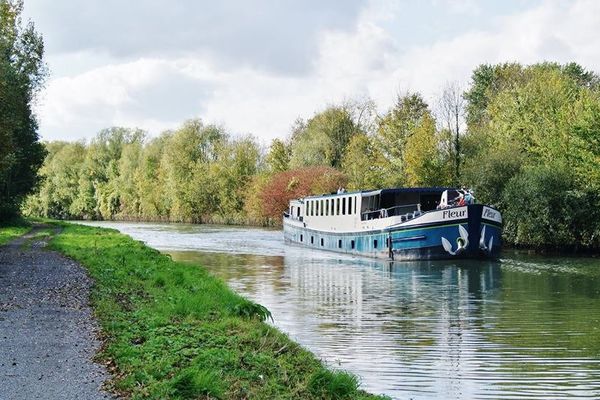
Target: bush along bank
172,331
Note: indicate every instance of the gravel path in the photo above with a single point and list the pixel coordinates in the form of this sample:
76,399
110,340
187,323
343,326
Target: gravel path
47,331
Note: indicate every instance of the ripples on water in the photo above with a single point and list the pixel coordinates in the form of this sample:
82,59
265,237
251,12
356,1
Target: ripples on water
525,327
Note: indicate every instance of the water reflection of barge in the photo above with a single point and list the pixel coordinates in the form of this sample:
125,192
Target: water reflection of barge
398,224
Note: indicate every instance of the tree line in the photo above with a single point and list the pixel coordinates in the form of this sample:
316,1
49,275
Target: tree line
525,138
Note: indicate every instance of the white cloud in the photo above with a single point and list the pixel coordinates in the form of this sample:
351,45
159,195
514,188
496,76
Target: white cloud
257,33
155,93
149,93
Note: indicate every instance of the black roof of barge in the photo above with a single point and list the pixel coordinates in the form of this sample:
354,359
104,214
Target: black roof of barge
425,190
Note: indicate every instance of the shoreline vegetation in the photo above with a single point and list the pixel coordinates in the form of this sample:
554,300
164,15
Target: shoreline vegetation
525,138
173,331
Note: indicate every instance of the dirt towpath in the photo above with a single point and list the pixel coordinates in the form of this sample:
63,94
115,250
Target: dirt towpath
47,331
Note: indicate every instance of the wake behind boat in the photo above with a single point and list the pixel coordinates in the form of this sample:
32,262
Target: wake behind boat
397,224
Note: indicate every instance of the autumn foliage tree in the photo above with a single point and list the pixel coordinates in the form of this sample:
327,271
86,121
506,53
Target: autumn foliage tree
272,195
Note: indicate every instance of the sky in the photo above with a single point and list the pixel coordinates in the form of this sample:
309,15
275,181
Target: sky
256,66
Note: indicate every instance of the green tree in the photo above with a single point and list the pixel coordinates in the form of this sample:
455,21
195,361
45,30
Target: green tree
323,139
532,149
151,180
127,183
189,191
422,160
544,207
22,74
363,163
60,181
232,173
278,158
98,192
486,82
395,127
585,144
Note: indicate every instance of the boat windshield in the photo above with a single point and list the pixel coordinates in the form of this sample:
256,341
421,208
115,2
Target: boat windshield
383,205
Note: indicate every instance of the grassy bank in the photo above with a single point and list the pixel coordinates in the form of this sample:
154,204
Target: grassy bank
12,229
173,331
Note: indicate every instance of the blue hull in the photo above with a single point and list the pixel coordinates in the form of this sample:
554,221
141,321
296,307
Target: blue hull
471,237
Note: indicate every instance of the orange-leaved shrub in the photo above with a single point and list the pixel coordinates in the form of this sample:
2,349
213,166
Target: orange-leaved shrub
269,196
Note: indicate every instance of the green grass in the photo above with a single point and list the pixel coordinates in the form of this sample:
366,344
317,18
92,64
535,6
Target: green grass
172,331
12,229
325,384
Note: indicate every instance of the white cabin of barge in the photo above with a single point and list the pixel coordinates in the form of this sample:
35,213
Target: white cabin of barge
365,210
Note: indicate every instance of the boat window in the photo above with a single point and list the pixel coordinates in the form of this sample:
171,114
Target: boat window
322,242
355,205
312,240
344,206
352,244
301,238
320,207
327,207
375,243
340,243
349,205
337,206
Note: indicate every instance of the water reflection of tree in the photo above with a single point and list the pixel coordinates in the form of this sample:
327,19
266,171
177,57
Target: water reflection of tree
549,313
246,272
543,328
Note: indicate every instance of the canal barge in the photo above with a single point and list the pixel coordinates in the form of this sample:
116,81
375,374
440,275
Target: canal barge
396,224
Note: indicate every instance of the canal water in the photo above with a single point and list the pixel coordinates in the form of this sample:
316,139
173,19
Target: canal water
523,327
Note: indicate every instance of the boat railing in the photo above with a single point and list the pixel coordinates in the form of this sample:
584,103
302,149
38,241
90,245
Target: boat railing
290,216
408,211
